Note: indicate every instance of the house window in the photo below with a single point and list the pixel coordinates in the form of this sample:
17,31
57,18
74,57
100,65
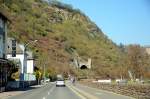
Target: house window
2,38
1,23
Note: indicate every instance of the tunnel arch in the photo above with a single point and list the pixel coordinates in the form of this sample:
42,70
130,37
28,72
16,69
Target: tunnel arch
83,67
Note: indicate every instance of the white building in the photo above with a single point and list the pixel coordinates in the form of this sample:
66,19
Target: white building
19,54
30,66
21,60
3,62
30,63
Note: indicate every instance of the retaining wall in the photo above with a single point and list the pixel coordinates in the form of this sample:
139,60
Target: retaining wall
136,91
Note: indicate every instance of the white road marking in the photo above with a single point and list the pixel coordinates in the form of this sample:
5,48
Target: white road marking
51,90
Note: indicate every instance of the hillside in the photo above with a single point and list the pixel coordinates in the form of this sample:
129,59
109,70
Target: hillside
61,32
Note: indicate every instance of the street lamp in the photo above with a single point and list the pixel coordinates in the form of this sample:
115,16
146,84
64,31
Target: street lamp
24,60
31,42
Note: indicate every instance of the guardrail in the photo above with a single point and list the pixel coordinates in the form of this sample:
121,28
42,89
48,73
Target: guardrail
136,91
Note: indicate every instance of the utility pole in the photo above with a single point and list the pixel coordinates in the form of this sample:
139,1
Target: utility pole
44,68
44,71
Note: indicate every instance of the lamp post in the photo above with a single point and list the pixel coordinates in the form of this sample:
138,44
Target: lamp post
25,58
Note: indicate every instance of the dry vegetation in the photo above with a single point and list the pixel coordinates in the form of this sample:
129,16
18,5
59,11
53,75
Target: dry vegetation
59,28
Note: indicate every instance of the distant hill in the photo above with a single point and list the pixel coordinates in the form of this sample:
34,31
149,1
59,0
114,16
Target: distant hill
61,31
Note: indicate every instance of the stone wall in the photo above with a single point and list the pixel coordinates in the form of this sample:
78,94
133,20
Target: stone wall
136,91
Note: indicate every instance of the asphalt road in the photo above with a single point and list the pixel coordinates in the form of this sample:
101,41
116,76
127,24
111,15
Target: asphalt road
50,91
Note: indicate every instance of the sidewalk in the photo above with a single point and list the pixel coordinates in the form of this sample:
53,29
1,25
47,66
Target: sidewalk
6,95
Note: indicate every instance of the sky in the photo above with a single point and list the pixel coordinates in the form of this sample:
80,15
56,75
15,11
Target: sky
123,21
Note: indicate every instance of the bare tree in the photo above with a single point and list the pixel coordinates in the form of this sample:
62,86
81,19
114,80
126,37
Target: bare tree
136,60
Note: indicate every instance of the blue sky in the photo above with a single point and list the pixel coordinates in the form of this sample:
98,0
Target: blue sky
123,21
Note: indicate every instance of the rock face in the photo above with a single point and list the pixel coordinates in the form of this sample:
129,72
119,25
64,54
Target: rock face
60,31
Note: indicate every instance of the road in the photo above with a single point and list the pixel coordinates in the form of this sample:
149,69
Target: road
50,91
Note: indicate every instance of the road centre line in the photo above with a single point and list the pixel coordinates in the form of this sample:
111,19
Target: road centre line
48,93
51,90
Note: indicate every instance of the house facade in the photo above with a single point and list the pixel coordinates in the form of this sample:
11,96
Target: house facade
30,63
3,35
19,57
4,65
24,61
